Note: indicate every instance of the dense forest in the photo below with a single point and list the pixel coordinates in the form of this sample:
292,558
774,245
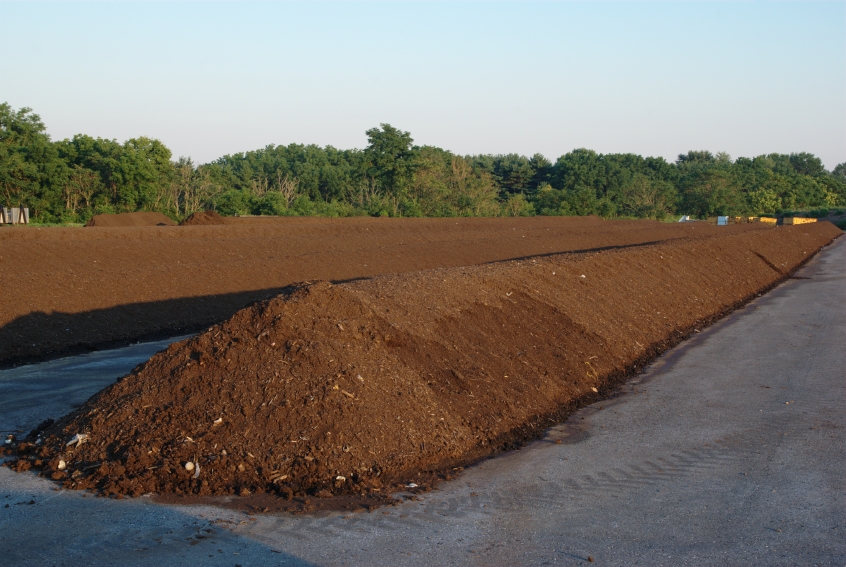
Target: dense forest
71,180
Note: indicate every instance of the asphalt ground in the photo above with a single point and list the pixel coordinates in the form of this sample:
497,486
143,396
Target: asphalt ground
729,449
32,393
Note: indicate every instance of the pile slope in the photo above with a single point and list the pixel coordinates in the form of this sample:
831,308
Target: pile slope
363,386
130,219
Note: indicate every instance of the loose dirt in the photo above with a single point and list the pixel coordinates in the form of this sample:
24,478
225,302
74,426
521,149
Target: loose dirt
68,290
130,219
373,386
203,218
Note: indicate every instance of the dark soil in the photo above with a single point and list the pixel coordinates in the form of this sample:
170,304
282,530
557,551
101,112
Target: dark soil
203,218
368,387
68,290
130,219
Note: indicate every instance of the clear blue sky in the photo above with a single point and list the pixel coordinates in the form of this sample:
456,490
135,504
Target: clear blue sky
650,78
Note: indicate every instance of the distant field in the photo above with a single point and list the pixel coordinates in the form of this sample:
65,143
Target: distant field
69,289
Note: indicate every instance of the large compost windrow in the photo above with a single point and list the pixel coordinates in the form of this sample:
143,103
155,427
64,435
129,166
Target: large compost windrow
359,387
69,290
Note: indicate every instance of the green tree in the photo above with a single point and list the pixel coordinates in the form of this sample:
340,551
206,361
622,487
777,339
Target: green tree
390,159
582,200
518,206
73,179
79,189
578,169
648,198
551,202
764,201
25,154
513,174
693,158
710,192
430,186
807,164
472,192
141,174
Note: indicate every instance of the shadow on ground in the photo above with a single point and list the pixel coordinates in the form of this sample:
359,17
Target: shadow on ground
78,529
41,336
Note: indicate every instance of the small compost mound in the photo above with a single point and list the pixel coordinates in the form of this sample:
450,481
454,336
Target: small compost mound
371,385
130,219
203,218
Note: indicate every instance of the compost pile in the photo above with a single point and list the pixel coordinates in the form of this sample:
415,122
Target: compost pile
361,387
203,218
130,219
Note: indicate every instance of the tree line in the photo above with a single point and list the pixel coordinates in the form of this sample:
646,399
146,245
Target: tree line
73,179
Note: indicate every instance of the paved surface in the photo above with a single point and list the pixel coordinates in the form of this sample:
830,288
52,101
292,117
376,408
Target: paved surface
728,450
33,393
